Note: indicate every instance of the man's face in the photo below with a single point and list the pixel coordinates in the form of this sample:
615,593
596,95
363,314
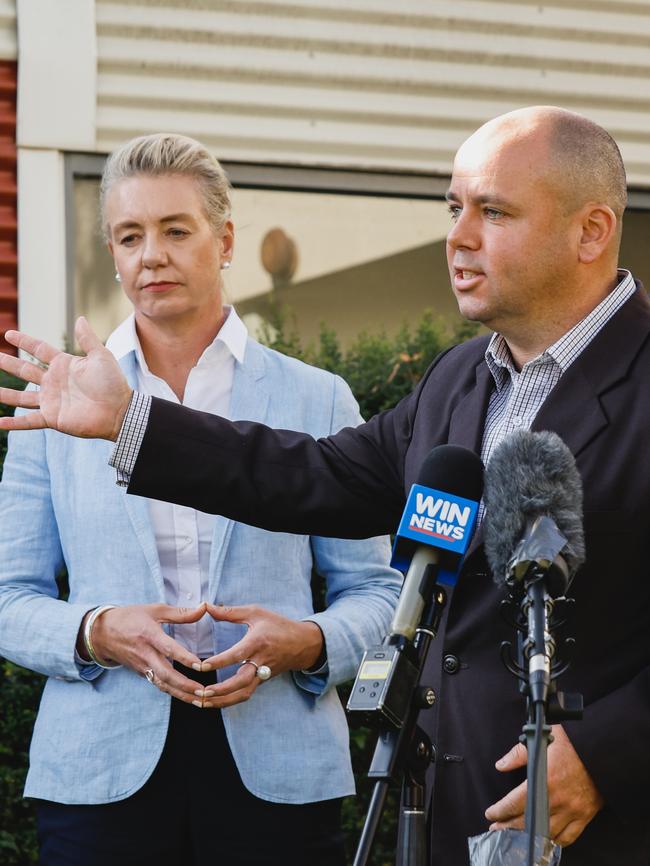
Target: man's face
511,250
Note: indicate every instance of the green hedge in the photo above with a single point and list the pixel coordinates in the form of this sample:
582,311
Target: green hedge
381,370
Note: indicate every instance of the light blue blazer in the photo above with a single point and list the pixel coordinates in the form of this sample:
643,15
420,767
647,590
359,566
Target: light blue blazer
99,734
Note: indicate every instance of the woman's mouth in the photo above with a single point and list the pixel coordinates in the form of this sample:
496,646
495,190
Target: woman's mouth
159,287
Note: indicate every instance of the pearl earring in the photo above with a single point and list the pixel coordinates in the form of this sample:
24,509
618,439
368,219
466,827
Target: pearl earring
225,265
118,277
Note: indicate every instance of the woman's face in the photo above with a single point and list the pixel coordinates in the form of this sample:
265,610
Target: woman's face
166,252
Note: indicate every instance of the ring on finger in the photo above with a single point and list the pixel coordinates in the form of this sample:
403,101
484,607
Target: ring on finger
262,672
150,676
249,662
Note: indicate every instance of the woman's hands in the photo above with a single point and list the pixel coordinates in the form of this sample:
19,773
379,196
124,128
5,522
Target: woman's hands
273,640
132,636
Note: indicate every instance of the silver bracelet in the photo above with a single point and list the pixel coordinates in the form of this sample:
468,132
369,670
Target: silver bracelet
88,643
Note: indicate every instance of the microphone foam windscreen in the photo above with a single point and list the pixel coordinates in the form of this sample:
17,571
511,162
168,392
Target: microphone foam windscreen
531,475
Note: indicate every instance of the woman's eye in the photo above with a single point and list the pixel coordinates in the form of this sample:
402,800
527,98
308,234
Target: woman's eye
178,233
128,239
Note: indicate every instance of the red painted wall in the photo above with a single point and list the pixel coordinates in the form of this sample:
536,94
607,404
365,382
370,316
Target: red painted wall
8,202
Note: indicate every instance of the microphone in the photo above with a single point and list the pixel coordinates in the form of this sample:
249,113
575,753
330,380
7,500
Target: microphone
435,530
433,534
533,511
534,540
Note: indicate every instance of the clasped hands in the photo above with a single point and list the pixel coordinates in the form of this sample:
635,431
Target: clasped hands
133,636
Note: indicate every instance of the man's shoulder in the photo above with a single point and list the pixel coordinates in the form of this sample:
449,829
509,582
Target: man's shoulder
462,356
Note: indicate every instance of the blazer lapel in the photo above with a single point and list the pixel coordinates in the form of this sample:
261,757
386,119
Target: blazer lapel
466,427
573,409
249,402
468,418
136,506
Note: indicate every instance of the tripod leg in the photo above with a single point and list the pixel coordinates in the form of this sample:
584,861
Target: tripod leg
369,831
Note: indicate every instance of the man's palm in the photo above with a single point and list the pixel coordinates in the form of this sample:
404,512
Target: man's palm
84,396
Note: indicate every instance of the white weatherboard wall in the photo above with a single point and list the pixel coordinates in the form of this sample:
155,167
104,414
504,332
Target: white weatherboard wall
367,83
362,84
56,112
8,40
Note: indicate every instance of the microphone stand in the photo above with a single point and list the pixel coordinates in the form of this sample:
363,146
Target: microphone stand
537,670
403,749
539,650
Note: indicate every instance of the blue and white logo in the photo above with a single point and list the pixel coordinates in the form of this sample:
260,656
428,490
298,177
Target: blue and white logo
437,518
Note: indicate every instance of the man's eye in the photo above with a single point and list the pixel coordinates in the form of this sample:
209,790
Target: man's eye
454,211
492,213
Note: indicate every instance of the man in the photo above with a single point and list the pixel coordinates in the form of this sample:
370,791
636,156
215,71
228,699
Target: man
537,198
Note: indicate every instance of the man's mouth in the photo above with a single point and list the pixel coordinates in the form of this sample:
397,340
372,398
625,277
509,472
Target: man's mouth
466,278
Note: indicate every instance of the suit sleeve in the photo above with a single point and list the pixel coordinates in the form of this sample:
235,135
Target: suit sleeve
362,589
37,630
347,485
612,742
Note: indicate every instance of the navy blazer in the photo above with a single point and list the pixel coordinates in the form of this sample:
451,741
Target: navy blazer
354,484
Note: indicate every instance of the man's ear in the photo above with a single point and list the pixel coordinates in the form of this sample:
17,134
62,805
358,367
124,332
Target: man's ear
599,225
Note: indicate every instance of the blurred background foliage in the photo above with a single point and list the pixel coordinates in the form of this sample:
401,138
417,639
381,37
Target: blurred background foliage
380,369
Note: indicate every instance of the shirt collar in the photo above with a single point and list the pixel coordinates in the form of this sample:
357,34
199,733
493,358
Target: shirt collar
565,350
232,335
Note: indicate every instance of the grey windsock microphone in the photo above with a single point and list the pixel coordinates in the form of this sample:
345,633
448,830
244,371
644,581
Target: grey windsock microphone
533,510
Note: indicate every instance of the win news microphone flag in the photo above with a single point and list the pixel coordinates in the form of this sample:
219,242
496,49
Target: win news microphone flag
433,535
436,528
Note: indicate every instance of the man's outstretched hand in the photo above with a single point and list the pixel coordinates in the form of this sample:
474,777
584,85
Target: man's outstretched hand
84,396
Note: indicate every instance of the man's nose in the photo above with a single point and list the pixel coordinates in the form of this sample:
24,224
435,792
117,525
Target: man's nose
465,232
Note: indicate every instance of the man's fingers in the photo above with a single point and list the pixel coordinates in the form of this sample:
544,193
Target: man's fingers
568,834
512,760
514,824
509,807
37,348
22,369
25,399
86,337
33,421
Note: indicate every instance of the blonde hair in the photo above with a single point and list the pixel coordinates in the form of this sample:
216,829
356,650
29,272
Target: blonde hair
166,153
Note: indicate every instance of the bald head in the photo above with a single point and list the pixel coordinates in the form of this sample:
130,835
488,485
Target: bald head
584,162
536,197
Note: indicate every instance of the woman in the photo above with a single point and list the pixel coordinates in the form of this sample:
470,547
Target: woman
147,748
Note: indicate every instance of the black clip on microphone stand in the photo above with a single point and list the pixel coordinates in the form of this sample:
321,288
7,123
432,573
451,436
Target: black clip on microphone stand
537,670
387,691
